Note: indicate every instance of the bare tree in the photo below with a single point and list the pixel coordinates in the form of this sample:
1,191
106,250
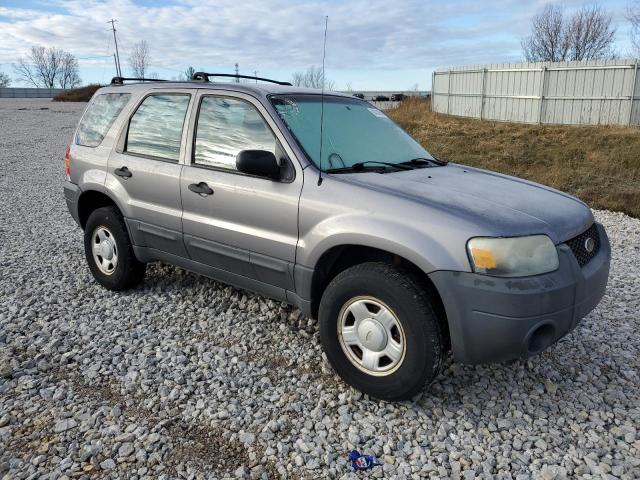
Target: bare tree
548,40
633,15
139,59
312,78
5,81
48,67
68,77
297,79
40,68
188,73
590,34
586,35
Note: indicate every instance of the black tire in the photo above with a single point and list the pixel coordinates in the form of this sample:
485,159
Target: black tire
411,303
128,272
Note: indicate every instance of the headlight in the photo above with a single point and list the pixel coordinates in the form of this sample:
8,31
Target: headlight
513,257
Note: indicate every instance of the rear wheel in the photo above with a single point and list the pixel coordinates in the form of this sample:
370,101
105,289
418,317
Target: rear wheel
109,252
380,332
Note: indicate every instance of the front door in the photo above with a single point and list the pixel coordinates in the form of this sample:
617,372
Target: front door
144,170
237,223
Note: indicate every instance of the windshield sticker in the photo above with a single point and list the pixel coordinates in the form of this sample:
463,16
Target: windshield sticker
377,112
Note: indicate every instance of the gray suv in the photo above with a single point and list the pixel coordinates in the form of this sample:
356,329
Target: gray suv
323,202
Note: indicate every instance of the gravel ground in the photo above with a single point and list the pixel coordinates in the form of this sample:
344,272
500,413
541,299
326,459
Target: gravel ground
187,378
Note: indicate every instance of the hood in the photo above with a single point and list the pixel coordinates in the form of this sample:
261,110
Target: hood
499,204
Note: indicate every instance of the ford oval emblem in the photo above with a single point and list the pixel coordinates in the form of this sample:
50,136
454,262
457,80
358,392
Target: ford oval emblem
589,245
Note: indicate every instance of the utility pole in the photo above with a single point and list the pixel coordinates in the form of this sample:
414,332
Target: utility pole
255,74
115,40
116,62
237,73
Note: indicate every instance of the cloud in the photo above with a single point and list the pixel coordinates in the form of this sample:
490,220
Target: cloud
272,33
277,34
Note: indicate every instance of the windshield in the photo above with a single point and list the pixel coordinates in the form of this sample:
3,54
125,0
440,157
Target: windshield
353,131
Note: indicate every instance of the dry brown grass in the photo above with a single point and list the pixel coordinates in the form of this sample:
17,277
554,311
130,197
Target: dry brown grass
82,94
598,164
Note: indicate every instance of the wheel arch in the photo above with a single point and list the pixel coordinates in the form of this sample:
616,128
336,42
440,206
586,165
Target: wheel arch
91,200
340,257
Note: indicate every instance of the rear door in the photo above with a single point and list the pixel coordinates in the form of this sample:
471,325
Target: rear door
247,225
144,170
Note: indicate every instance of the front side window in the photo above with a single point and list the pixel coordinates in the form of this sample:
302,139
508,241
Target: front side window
225,127
353,131
155,128
99,117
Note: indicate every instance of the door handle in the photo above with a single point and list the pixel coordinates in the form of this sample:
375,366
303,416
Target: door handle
123,172
201,189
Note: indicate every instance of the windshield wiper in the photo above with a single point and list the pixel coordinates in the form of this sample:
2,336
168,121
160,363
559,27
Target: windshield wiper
425,161
361,166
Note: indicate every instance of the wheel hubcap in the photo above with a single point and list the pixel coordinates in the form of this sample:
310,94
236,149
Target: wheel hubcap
371,336
104,250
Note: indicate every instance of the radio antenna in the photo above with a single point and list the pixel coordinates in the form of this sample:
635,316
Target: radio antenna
324,52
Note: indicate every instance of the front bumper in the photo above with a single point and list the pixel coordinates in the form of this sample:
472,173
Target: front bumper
493,319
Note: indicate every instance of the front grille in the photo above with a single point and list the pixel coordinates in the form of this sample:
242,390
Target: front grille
578,245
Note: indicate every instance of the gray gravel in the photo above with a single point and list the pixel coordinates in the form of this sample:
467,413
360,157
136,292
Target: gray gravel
187,378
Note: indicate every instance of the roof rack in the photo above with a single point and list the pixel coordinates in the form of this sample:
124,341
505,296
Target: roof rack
204,77
121,80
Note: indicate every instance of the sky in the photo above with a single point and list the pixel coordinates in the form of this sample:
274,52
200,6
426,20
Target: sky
371,44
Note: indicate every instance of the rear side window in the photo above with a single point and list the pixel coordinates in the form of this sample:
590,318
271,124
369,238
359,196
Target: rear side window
226,126
155,128
99,117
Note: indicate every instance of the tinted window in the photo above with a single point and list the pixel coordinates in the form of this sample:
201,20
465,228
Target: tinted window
156,127
98,118
226,126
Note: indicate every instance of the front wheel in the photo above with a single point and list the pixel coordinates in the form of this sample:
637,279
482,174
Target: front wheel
380,332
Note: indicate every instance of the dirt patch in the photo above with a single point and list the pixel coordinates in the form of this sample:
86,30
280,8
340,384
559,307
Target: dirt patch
199,445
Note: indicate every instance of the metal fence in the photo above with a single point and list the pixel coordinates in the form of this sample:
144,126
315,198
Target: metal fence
579,93
29,92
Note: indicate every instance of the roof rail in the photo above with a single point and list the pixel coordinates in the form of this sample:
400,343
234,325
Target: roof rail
121,80
204,77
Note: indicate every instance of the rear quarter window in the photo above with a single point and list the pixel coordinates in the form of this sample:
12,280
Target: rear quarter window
99,117
155,129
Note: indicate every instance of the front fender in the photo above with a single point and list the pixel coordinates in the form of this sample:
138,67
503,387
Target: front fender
430,251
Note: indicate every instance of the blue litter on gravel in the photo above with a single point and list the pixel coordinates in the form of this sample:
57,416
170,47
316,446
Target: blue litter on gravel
362,462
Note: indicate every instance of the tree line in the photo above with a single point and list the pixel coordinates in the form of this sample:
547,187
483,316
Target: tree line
56,68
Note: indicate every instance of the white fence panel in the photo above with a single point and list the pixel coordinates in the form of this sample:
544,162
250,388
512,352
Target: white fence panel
595,92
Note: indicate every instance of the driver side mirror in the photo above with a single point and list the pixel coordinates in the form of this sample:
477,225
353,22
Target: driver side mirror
260,163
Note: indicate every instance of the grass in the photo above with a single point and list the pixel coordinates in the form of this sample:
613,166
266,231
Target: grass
82,94
598,164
